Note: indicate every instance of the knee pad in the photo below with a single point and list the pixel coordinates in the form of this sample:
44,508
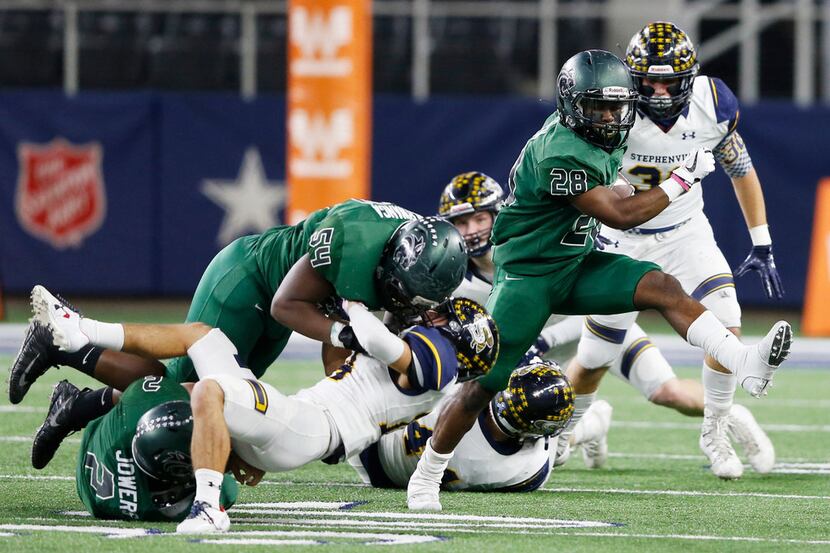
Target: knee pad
599,344
724,304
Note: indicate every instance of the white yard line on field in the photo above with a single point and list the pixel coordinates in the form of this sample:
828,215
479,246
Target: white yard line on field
696,426
690,493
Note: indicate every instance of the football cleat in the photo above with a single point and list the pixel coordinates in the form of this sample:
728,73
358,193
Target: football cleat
58,424
563,450
422,492
755,375
714,442
61,316
596,422
746,432
204,519
34,359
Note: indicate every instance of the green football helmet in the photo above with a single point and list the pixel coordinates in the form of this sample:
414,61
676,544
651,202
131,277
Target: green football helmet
161,445
596,98
421,265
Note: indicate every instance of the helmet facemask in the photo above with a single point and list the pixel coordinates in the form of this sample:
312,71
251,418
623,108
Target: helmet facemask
662,108
605,117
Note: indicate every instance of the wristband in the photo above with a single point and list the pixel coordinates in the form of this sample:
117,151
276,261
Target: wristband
760,235
672,187
334,334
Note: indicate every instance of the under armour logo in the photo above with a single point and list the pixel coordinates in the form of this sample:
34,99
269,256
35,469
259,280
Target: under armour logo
688,135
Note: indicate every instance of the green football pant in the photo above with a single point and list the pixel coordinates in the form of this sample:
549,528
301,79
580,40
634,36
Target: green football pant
233,297
599,283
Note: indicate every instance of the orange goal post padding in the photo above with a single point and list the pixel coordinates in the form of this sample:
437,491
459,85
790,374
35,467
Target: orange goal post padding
816,318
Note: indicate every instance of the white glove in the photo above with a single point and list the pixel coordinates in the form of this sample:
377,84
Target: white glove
697,165
425,483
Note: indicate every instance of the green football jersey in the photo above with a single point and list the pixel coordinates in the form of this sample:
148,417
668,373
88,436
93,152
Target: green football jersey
347,245
109,482
538,230
344,242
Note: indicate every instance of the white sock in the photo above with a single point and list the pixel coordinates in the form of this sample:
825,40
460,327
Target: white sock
208,486
581,404
433,463
104,335
709,334
718,390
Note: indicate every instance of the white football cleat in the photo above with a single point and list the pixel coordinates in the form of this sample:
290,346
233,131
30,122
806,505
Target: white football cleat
61,317
204,519
714,442
746,432
422,492
596,421
755,374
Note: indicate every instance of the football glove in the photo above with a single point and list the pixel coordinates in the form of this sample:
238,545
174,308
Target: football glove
539,348
697,165
760,259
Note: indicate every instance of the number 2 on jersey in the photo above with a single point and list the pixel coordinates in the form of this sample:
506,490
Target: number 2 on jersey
583,228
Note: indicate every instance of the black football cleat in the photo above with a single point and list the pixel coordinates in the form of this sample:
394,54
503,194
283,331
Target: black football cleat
58,424
36,356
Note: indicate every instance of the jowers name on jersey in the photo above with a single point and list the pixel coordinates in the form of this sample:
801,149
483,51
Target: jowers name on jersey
479,463
363,396
109,482
712,114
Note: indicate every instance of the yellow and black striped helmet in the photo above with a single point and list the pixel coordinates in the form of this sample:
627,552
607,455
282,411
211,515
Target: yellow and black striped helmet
470,193
538,401
663,51
474,334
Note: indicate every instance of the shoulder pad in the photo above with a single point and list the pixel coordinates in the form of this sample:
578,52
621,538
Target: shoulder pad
725,102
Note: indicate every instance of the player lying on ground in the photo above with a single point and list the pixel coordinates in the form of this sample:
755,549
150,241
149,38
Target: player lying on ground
398,380
506,451
471,201
134,459
545,258
678,113
261,287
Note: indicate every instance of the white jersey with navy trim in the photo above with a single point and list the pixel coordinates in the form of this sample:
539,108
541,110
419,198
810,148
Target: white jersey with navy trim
474,286
652,153
363,396
479,462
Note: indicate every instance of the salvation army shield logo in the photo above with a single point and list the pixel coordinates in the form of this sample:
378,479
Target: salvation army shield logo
60,191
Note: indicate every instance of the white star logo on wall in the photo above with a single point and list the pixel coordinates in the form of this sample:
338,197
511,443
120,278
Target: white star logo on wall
251,202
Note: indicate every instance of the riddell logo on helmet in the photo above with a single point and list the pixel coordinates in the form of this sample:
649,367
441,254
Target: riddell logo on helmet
60,191
660,70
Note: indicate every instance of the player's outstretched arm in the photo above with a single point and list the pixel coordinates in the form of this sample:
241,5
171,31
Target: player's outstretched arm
377,340
751,199
623,213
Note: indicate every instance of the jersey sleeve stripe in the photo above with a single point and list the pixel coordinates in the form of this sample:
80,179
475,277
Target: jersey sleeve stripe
260,396
633,353
434,351
713,284
613,335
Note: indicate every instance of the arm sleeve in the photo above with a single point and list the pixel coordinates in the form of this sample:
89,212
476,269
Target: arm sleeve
732,155
434,364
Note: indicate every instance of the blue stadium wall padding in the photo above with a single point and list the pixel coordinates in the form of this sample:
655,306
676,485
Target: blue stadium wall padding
160,229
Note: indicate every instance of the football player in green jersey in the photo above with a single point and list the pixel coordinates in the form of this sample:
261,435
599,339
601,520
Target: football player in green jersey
260,288
560,191
134,460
